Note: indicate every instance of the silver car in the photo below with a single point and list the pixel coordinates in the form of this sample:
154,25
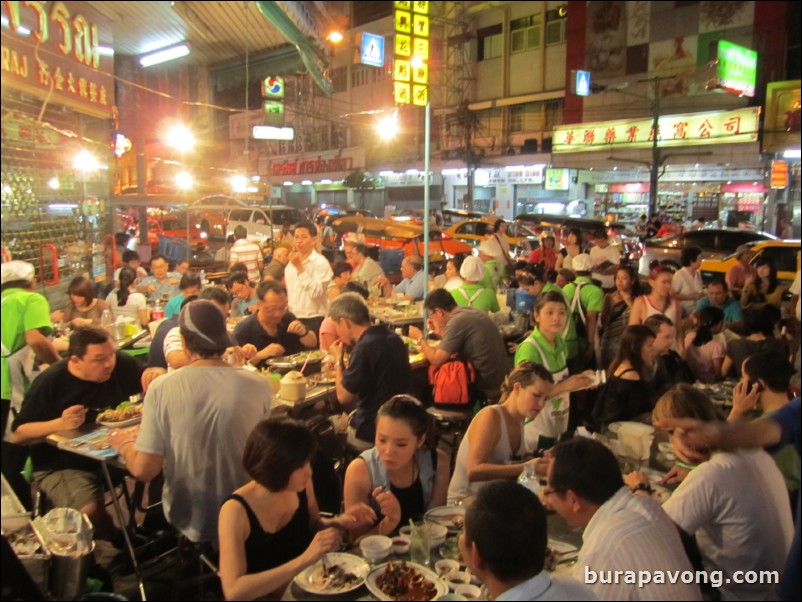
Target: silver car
716,243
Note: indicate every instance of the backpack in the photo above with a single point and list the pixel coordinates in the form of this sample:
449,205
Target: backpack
453,382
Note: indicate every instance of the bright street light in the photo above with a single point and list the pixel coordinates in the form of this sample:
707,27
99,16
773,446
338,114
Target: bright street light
184,181
387,127
180,138
85,161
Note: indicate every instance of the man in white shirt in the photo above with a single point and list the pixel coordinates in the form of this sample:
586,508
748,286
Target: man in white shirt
606,260
734,502
504,545
307,276
248,253
624,533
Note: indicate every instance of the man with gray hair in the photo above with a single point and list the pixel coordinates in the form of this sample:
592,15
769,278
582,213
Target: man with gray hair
377,369
413,285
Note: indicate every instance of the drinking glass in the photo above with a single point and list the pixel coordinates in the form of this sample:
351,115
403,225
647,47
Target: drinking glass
420,545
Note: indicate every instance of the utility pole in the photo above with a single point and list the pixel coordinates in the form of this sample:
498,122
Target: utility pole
657,158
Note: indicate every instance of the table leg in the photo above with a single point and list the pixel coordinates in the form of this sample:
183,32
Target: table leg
126,535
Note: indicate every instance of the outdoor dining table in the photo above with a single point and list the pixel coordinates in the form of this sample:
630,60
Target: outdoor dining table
88,440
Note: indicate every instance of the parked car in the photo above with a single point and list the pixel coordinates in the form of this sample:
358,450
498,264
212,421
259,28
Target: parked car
263,223
784,253
454,216
175,225
716,243
473,231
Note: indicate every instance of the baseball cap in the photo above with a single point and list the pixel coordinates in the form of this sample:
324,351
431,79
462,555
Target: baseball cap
204,320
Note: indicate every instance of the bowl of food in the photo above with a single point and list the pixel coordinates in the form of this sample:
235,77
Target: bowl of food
445,566
457,578
471,592
375,548
437,534
401,544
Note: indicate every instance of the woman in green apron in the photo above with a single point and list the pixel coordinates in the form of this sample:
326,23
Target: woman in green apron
546,346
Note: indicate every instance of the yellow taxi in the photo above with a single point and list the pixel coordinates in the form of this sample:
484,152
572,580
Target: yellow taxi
522,239
784,253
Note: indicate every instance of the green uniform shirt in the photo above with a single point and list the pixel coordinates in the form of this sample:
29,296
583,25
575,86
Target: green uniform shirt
22,310
492,274
555,356
485,300
592,299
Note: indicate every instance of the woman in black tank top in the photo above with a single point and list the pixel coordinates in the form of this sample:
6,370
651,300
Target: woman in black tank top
270,529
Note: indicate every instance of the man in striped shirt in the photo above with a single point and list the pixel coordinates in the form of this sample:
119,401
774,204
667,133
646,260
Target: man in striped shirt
624,533
248,253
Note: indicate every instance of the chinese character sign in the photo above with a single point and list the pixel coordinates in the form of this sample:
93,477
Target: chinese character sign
410,65
719,127
53,51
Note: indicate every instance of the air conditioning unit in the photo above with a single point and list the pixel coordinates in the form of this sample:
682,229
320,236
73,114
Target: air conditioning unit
530,146
546,145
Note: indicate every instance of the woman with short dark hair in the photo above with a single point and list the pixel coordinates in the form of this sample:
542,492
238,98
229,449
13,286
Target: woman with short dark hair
270,529
84,308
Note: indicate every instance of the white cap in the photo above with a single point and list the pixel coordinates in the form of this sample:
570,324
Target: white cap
472,269
17,270
582,263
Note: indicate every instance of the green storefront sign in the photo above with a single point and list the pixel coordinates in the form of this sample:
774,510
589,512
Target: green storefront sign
736,69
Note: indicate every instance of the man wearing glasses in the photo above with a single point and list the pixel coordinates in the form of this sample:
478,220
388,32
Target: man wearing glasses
624,531
273,330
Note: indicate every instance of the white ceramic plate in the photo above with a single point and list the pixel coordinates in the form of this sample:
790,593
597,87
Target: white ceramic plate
440,588
313,581
451,517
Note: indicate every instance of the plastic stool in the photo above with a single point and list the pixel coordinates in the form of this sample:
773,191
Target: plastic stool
451,426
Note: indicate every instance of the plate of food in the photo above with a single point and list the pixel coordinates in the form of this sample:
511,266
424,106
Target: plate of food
451,517
334,574
404,581
125,414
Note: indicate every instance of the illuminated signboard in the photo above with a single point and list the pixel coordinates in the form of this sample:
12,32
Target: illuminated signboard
410,65
60,51
717,127
779,174
580,81
736,69
556,179
273,112
372,50
273,87
266,132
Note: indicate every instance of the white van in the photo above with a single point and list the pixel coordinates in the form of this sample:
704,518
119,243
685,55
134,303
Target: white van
257,221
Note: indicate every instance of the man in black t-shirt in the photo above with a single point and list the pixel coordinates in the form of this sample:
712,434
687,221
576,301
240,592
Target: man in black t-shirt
378,366
65,396
273,331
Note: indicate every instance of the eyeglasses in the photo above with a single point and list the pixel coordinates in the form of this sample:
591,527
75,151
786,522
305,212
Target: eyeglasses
274,309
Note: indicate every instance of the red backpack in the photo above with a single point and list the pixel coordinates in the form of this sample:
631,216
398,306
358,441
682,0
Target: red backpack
453,382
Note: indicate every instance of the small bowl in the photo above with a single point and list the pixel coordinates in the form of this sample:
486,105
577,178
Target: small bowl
450,596
437,534
445,566
471,592
406,531
376,548
401,544
456,579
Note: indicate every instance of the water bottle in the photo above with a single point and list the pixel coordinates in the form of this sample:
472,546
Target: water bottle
105,320
528,478
203,276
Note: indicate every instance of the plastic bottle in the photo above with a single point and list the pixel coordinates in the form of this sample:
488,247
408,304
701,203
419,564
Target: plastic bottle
105,320
158,311
529,479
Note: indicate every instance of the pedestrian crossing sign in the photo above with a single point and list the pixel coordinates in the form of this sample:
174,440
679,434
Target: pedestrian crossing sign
372,50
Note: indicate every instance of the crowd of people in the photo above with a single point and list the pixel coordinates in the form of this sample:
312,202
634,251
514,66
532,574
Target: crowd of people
602,347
